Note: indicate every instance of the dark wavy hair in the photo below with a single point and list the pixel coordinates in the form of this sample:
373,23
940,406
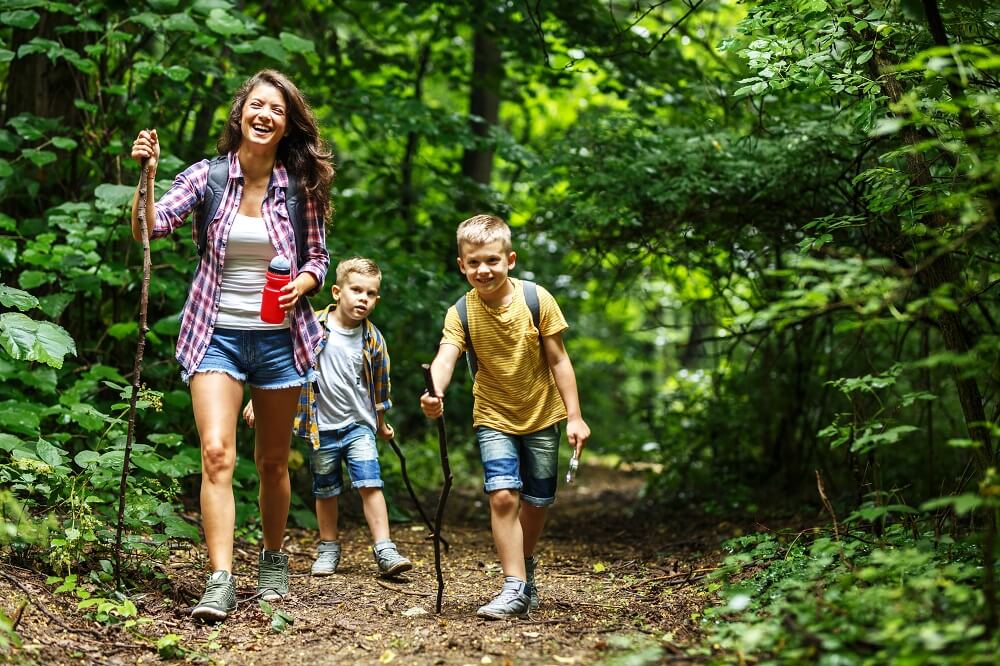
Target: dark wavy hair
301,150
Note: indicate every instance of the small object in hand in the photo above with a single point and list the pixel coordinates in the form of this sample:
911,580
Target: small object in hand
574,463
277,276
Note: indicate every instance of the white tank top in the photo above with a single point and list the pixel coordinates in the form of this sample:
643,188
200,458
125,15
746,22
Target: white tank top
248,252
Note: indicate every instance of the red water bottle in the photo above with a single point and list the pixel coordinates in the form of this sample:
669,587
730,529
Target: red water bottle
278,274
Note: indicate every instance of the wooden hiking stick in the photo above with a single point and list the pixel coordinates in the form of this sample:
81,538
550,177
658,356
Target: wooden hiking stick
443,498
413,495
136,373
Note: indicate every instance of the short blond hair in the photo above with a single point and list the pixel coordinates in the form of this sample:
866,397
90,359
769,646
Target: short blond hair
483,229
359,265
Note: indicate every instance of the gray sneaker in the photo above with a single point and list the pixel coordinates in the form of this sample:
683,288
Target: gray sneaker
327,558
512,601
390,562
219,599
272,575
532,589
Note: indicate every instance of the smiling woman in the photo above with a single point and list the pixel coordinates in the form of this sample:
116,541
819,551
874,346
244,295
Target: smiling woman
270,141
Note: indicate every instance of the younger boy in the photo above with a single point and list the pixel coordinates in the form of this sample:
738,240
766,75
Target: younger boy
340,417
520,393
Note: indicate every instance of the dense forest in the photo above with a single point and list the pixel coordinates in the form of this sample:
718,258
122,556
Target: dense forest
771,226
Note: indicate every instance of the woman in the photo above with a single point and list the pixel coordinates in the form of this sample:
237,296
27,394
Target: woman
271,134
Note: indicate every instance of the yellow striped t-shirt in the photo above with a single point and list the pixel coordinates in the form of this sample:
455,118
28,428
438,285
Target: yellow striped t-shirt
514,391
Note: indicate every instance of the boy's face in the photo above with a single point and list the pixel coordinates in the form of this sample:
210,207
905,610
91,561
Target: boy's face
486,266
357,296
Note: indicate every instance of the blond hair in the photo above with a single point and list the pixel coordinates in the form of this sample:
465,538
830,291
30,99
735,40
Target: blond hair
359,265
483,229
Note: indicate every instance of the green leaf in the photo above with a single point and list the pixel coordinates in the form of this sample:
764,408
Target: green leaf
177,73
49,454
114,196
9,442
180,23
25,339
86,458
296,44
221,22
6,56
20,19
123,329
19,416
268,46
63,143
39,157
32,279
961,503
5,168
15,298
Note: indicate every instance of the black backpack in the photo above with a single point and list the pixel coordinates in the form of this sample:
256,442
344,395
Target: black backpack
215,188
530,299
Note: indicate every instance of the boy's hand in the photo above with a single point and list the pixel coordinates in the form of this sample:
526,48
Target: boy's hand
248,413
577,432
432,405
386,432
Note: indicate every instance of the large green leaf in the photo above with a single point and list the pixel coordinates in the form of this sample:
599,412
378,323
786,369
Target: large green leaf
296,44
222,22
24,19
114,196
28,340
19,417
15,298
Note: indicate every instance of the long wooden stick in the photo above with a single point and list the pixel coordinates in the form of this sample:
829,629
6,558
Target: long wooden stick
445,489
136,373
413,495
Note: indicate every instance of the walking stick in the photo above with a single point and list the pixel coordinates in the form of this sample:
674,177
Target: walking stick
443,498
136,372
413,495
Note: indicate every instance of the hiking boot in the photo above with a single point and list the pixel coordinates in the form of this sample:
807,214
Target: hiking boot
390,562
512,601
530,587
219,599
327,558
272,575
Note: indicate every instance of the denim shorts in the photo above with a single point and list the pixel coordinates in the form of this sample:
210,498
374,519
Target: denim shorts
355,444
264,359
527,463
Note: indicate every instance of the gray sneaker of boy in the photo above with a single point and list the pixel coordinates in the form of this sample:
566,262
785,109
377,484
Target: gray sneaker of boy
219,599
272,575
532,589
327,558
512,601
390,562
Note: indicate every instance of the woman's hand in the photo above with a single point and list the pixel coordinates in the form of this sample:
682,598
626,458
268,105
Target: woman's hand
147,147
294,290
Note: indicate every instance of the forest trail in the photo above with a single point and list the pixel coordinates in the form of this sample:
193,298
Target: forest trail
606,568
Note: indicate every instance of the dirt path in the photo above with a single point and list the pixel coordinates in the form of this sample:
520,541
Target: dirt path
602,574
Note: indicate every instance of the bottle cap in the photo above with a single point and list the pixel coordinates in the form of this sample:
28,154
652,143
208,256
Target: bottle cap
279,266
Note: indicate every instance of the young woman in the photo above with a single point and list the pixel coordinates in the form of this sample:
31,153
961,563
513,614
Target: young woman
271,134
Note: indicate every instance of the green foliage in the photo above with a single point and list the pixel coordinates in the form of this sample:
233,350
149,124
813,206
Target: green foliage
813,597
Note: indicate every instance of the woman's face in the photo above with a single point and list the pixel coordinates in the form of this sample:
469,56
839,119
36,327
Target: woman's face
264,117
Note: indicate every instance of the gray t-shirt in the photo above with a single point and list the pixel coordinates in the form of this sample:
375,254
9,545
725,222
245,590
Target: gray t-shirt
343,390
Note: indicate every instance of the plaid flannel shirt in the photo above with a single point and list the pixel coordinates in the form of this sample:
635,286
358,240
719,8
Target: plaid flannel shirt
202,306
376,369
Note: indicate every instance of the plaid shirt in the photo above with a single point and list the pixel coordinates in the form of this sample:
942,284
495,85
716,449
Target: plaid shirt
202,306
376,368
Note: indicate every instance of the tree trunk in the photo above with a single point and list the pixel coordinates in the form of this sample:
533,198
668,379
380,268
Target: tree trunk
484,102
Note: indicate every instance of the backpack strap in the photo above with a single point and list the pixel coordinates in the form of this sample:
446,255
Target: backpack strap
215,188
295,205
530,299
462,306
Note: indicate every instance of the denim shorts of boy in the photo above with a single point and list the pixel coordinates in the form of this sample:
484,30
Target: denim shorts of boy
356,445
264,359
527,463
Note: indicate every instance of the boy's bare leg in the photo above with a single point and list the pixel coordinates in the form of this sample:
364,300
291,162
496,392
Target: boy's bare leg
373,501
326,516
507,534
532,519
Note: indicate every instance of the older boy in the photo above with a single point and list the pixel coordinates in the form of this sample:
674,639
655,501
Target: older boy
523,386
341,416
